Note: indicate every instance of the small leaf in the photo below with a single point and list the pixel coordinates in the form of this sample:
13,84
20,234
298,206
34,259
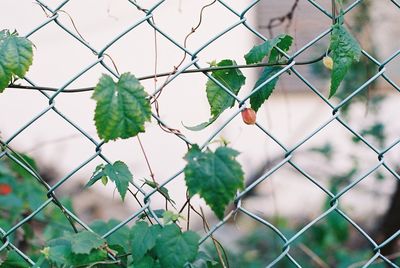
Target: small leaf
262,94
258,53
16,55
214,176
344,51
169,216
284,44
218,98
83,248
84,242
119,173
175,248
201,126
119,237
143,238
232,79
87,260
17,52
122,108
97,175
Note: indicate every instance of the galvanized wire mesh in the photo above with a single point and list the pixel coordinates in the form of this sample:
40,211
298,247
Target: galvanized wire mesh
286,151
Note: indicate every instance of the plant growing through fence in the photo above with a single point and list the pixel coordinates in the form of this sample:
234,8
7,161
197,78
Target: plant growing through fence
123,107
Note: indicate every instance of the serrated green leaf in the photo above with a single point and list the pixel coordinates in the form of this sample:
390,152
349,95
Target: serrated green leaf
5,74
119,173
262,94
119,237
143,238
58,250
258,53
122,108
218,99
174,248
232,79
83,242
16,55
284,44
344,51
214,176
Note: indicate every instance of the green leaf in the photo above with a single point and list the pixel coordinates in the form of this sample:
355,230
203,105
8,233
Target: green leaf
16,57
262,94
143,238
175,248
344,51
58,250
122,108
232,79
201,126
20,170
258,53
84,260
119,237
5,74
218,98
84,242
119,173
97,175
77,243
214,176
169,216
284,44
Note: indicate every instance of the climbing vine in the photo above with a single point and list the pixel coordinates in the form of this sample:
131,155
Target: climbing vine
122,110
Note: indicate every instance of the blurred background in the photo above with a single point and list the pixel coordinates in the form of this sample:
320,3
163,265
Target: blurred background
334,157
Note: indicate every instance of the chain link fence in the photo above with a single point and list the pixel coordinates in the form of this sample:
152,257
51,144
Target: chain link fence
148,20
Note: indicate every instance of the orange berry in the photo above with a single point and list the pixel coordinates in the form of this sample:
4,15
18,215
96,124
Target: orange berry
5,189
249,116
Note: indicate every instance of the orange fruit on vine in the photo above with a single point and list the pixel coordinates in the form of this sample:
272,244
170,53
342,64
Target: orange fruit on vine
249,116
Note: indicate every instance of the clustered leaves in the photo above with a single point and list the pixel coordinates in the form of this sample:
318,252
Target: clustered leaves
16,57
148,247
221,95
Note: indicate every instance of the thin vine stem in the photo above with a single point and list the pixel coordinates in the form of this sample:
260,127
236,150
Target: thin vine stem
200,70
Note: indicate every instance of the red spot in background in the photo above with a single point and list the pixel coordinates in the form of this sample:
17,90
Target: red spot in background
5,189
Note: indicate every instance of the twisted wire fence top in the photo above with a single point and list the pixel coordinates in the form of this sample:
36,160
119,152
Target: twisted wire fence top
145,16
